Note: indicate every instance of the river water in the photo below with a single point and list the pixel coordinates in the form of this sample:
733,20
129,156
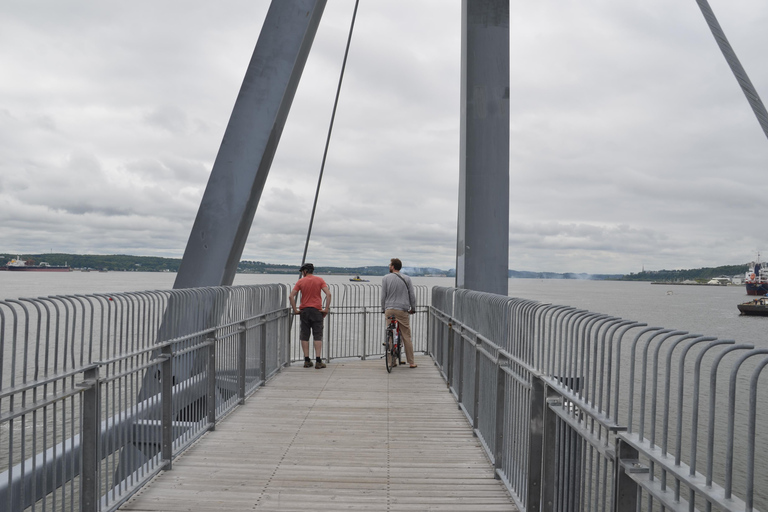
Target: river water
707,310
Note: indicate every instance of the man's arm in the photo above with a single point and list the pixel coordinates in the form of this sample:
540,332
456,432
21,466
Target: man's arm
292,298
383,295
411,296
327,292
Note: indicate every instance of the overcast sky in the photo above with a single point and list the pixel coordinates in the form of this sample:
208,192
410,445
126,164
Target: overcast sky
631,146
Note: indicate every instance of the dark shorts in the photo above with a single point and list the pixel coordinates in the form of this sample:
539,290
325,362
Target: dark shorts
311,318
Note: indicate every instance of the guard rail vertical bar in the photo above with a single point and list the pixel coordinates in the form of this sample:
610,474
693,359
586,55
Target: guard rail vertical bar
91,437
500,415
263,352
365,332
449,365
166,397
242,341
626,490
460,378
211,381
476,397
549,459
536,442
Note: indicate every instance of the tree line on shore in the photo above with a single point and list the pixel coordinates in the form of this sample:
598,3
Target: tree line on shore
128,263
696,274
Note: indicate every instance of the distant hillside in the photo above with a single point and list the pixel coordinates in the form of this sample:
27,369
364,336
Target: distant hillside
127,263
697,274
114,262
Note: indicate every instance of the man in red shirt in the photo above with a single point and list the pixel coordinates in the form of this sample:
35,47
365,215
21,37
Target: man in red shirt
311,311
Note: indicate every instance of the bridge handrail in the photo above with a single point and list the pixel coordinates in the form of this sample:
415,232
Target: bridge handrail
89,382
68,356
542,386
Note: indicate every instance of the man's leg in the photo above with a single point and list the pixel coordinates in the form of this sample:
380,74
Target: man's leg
305,349
405,331
317,331
305,326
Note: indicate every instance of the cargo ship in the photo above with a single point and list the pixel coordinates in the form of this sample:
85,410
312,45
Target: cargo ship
20,265
756,278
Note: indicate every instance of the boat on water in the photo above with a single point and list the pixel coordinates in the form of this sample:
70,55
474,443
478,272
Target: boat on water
756,307
357,279
756,278
20,265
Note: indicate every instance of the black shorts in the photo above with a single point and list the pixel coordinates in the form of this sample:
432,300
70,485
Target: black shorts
311,318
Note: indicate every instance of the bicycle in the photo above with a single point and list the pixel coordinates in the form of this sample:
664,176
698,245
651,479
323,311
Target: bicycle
392,345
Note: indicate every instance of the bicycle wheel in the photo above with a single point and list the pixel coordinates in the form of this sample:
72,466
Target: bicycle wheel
388,347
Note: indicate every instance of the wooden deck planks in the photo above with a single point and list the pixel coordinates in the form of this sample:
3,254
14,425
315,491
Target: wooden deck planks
348,437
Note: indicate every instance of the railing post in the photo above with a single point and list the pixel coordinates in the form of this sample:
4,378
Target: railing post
91,441
242,341
460,378
536,433
166,398
501,402
428,344
625,494
365,331
327,344
288,332
449,363
263,353
476,398
548,455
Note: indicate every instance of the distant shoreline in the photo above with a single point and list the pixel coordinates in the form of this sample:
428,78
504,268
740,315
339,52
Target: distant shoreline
672,283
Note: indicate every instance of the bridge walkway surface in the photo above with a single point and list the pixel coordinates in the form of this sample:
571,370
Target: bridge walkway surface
347,437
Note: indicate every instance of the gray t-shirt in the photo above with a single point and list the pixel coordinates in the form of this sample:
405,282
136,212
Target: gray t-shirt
395,293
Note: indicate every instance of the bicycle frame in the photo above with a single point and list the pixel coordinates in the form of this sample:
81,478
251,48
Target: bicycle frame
392,354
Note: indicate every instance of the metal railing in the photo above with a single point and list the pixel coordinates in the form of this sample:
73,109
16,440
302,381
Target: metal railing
356,324
99,392
582,411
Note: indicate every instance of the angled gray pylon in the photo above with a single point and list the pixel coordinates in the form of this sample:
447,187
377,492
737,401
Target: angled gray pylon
241,167
230,199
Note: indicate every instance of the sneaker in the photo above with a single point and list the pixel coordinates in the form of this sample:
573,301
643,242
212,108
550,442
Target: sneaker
307,363
319,365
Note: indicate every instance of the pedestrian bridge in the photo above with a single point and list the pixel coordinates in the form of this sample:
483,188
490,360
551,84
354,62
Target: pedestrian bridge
347,437
183,399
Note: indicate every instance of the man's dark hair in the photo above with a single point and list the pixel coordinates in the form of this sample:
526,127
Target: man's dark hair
310,268
395,262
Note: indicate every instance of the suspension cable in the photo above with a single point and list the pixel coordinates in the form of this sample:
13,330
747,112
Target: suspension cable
730,56
330,129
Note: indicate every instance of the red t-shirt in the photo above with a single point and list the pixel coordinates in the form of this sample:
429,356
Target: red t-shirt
310,287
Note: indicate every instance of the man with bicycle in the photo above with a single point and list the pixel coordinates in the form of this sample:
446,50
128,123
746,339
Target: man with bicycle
311,311
398,299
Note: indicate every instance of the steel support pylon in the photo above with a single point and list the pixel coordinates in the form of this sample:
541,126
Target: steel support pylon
241,167
482,247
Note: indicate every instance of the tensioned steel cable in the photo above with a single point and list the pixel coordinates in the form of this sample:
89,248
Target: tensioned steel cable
730,56
330,129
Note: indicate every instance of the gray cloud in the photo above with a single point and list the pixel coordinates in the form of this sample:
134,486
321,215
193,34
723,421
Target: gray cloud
631,144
